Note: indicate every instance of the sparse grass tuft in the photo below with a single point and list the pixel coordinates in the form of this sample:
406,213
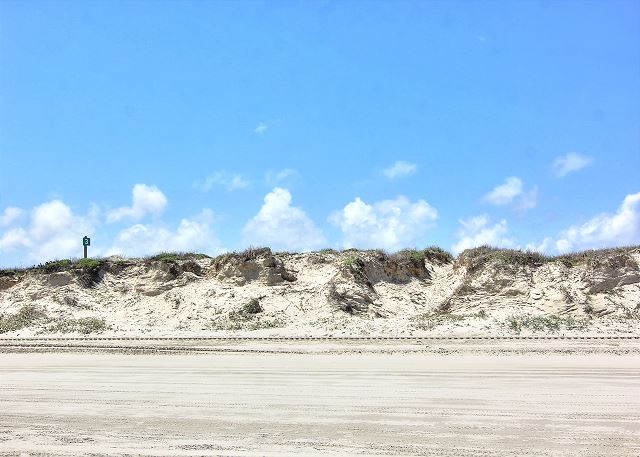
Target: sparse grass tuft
165,257
247,255
25,317
412,255
428,321
551,323
252,307
588,308
476,258
83,325
55,266
438,255
176,256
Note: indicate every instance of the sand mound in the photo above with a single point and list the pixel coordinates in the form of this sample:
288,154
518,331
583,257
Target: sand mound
484,290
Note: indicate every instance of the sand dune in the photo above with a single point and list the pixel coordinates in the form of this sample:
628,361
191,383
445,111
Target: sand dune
482,291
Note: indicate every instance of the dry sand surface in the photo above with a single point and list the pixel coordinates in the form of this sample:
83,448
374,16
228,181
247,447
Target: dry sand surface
320,404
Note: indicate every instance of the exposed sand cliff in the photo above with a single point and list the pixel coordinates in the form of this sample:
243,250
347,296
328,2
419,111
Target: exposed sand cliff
483,291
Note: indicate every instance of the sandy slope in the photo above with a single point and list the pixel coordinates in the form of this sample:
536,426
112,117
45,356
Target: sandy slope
334,293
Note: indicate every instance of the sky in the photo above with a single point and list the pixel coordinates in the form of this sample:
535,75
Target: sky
211,126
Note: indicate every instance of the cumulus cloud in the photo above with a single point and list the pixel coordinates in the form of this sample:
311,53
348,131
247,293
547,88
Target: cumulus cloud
605,230
512,192
10,215
146,200
569,163
191,235
228,181
282,226
387,224
53,231
478,231
400,169
261,128
504,193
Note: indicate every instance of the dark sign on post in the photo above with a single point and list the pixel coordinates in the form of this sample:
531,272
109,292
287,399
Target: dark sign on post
86,242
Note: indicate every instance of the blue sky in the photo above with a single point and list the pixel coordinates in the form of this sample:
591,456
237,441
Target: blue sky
210,126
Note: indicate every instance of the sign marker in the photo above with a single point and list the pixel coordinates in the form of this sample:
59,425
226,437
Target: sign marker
86,242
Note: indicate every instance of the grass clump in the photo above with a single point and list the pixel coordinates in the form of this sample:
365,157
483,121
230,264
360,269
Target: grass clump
352,261
437,255
552,323
84,325
247,255
412,255
476,258
176,256
428,321
55,266
26,316
252,307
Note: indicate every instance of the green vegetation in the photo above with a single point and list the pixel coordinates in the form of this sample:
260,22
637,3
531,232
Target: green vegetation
26,316
428,321
248,317
164,257
11,272
595,257
412,255
90,264
476,258
252,307
551,323
84,325
55,266
248,254
176,256
30,315
352,261
437,255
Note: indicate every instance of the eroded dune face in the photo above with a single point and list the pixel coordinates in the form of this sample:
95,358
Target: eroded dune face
328,292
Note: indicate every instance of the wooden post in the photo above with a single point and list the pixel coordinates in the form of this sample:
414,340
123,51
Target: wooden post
85,251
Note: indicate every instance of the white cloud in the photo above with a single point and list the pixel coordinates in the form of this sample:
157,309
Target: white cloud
10,215
191,235
282,226
512,191
400,169
387,224
229,181
528,200
53,231
261,128
569,163
605,230
477,232
504,193
273,178
145,200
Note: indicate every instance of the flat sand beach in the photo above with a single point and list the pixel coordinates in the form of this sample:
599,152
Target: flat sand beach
254,404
